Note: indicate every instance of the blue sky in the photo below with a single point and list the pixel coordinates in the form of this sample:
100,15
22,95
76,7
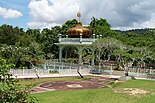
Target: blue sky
121,14
21,6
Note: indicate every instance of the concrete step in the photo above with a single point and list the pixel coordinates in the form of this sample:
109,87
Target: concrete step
120,73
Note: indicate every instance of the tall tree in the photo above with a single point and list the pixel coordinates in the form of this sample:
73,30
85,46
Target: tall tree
100,26
67,25
49,38
9,35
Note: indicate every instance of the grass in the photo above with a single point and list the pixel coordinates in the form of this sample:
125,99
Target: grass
104,95
81,96
141,84
144,84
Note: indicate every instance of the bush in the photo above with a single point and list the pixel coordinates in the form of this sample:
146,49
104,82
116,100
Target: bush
10,89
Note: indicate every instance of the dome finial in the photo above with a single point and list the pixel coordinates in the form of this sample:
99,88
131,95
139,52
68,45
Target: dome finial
79,15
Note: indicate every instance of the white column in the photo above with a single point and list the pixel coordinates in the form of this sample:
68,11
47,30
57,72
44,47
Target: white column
80,50
80,38
60,54
92,61
80,55
59,37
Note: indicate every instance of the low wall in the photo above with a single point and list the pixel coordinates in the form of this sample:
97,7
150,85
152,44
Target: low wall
29,72
21,72
73,71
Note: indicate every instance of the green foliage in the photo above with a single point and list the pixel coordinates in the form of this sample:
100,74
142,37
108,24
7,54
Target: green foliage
20,56
67,25
21,47
24,40
70,52
49,37
10,89
9,35
100,27
105,46
35,33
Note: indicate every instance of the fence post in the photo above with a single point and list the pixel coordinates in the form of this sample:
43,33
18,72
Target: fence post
23,71
62,66
150,71
54,64
111,69
138,73
70,67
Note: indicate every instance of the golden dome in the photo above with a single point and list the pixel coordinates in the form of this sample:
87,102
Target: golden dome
77,30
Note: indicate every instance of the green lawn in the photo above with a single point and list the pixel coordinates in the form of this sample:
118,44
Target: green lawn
105,95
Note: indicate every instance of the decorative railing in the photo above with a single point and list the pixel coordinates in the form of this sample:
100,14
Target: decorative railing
77,40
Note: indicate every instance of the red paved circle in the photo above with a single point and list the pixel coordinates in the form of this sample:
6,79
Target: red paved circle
93,83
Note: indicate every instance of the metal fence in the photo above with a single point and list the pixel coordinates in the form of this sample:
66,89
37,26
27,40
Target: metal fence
21,72
55,67
29,72
142,72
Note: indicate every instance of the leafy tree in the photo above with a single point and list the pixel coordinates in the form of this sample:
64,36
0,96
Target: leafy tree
36,34
100,27
67,25
49,38
20,56
24,40
8,34
105,46
10,89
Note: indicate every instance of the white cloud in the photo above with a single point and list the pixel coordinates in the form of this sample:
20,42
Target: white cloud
9,13
119,13
41,25
51,13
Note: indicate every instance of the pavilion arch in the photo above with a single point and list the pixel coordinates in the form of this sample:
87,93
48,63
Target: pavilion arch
79,47
90,51
69,54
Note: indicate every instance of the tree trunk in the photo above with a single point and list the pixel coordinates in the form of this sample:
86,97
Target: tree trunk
79,73
36,74
126,70
108,57
35,70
